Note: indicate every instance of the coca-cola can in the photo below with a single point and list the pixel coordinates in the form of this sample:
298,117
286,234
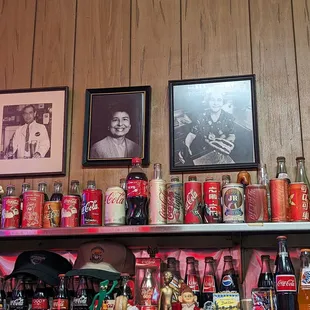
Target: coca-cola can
192,192
212,202
175,203
70,211
51,214
298,201
279,200
91,211
233,203
32,216
158,202
114,207
256,203
10,215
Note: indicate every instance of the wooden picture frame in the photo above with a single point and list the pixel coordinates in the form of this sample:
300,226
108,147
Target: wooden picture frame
213,124
33,131
117,126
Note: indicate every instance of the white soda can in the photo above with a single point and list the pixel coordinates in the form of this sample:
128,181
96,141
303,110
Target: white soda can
158,198
114,206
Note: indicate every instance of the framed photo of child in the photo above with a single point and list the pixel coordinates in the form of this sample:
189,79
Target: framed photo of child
213,124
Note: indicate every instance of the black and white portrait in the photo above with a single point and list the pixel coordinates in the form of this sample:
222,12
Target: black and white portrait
115,126
213,124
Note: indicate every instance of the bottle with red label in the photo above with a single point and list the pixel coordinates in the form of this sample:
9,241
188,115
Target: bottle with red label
229,281
286,287
137,194
40,300
266,276
192,278
209,285
19,299
61,299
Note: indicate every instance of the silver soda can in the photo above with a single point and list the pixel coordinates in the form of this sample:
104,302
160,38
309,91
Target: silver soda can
114,206
158,202
233,203
175,202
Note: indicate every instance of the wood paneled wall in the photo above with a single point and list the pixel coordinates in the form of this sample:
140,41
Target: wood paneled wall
109,43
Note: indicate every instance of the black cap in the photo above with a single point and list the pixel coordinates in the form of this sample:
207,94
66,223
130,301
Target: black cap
44,265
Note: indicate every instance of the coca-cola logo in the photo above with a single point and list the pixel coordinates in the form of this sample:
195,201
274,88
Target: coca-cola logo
96,255
147,293
163,199
286,283
70,201
17,302
115,198
82,300
174,205
12,202
190,199
90,206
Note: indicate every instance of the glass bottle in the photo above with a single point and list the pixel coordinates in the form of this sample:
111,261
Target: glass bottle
265,277
61,299
2,294
148,289
171,266
191,277
81,300
42,187
19,299
263,179
301,175
57,194
209,286
226,179
8,291
304,280
40,300
75,188
229,281
177,271
281,169
125,289
10,190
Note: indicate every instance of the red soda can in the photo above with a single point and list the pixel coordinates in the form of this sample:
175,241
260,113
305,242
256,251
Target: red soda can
279,200
256,203
298,200
91,211
175,204
10,216
192,201
70,211
32,215
212,202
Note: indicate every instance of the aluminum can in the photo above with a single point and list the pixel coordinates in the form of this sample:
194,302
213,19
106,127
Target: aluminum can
33,209
175,203
279,200
192,192
256,203
51,214
91,211
114,208
298,202
212,202
158,202
233,203
10,215
70,210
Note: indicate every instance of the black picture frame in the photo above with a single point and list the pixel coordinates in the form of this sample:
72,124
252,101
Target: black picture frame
217,119
46,109
130,109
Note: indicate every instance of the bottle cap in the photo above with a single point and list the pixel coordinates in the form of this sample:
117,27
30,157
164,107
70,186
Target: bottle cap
228,258
61,275
305,250
209,259
136,160
175,179
300,158
265,257
190,259
75,182
192,178
281,237
280,158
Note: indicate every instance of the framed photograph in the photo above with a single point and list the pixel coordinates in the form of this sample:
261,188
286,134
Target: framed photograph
213,124
33,131
116,126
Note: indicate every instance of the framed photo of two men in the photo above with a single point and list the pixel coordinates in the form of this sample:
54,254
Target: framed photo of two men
213,124
33,131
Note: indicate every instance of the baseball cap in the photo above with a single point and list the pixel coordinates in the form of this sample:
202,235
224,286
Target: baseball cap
103,260
44,265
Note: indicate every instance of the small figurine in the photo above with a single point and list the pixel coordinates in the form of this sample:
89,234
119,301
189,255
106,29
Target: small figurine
166,292
187,298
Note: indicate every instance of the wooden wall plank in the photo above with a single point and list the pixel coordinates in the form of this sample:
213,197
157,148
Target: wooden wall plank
215,42
275,69
102,60
155,50
302,41
16,36
53,58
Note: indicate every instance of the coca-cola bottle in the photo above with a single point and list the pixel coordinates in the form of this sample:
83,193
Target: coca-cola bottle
125,288
90,287
266,277
8,291
57,194
28,282
42,187
40,300
191,278
75,188
174,284
263,179
285,281
281,169
2,294
136,194
19,299
81,301
229,281
25,188
148,289
61,299
209,285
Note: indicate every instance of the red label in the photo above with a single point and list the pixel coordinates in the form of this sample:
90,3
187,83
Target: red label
115,198
192,282
61,304
208,284
39,303
286,283
136,188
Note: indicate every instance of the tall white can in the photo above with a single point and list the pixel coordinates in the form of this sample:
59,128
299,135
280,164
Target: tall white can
114,206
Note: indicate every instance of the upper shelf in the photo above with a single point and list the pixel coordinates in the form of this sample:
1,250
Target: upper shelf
197,229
